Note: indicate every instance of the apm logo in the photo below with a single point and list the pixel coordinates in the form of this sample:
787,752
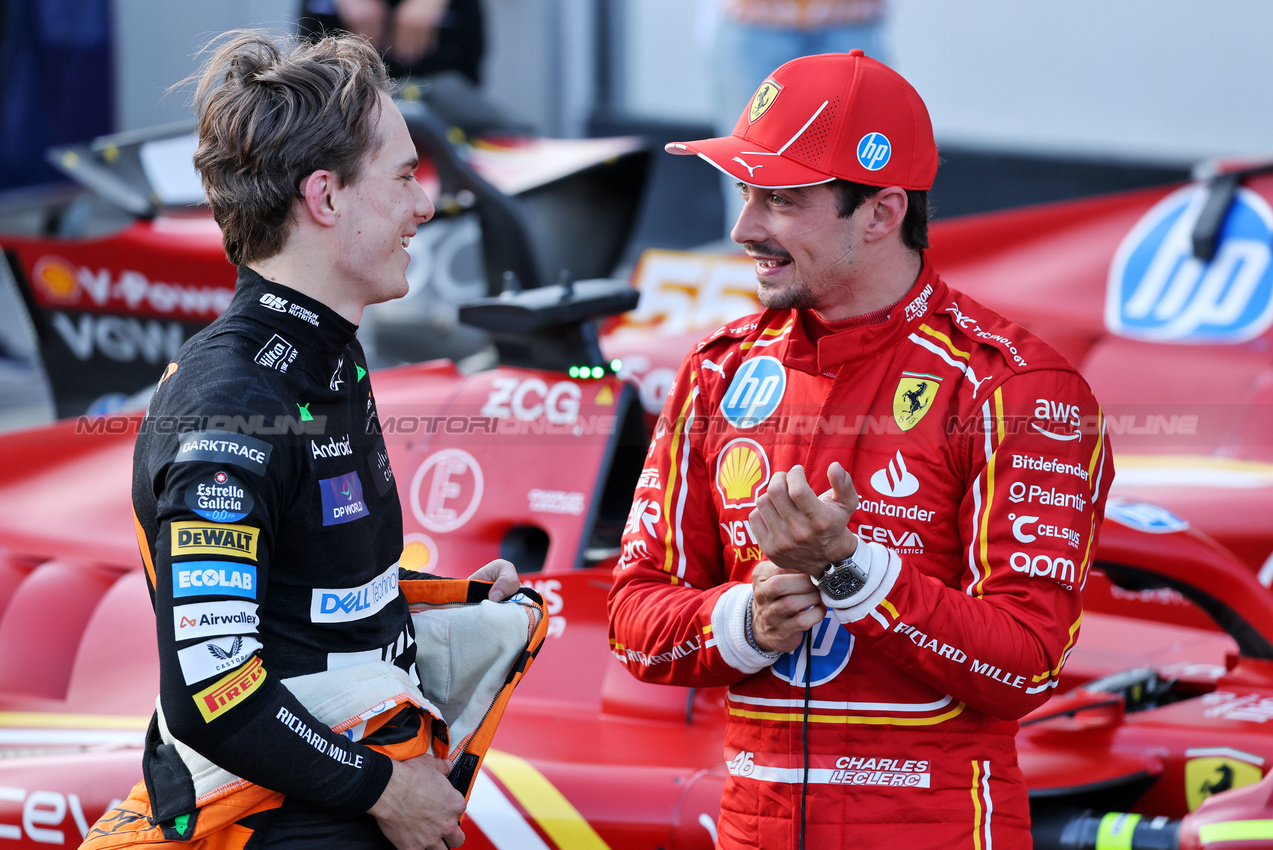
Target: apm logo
1159,291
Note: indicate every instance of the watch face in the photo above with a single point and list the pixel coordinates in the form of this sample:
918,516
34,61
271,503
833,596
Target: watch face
841,583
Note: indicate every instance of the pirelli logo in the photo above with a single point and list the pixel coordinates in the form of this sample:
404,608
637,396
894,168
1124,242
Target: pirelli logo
228,691
203,538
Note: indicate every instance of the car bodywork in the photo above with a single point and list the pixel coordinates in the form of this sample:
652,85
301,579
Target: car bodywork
1166,700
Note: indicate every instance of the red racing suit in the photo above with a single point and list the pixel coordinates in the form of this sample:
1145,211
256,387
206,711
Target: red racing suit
982,464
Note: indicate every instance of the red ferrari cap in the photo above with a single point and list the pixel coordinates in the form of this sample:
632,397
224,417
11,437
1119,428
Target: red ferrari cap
821,117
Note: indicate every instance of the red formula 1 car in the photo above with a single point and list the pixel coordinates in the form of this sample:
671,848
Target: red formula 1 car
1161,736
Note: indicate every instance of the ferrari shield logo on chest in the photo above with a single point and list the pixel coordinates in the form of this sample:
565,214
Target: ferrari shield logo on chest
912,398
763,99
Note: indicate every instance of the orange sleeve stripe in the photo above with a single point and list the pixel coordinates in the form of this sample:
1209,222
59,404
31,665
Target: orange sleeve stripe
144,546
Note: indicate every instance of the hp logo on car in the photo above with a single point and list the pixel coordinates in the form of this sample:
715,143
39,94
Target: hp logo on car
832,646
874,151
755,392
1159,291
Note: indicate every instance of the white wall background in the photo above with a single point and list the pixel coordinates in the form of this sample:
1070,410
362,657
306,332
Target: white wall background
1156,80
1166,80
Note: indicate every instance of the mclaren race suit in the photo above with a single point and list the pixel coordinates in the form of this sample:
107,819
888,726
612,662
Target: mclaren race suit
982,465
269,523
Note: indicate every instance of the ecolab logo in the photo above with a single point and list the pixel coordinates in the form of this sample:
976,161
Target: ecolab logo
333,448
346,604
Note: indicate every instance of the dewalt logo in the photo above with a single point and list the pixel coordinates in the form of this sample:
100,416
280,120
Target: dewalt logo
201,538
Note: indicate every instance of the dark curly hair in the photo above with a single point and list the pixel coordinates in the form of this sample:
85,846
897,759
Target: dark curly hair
270,113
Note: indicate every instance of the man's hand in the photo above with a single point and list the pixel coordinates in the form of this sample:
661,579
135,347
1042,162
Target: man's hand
503,574
415,28
800,531
364,17
784,607
419,810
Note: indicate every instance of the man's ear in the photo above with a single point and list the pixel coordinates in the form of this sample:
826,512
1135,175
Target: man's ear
318,193
888,212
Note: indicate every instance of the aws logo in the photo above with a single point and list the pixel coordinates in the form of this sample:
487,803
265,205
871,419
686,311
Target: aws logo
198,538
742,471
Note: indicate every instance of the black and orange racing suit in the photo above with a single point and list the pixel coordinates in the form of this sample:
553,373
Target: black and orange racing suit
982,465
269,521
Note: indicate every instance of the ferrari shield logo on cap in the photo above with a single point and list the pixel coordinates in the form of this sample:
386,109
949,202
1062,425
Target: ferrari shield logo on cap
912,398
763,99
1213,774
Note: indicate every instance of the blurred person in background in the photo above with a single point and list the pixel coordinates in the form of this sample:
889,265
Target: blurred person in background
416,37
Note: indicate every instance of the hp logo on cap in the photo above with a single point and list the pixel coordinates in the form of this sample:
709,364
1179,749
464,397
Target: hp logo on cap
874,151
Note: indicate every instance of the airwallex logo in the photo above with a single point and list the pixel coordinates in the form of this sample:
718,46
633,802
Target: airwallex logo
346,604
342,499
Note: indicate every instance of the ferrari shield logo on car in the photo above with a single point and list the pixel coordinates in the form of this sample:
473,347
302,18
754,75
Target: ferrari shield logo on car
1213,774
763,99
1159,291
742,471
912,398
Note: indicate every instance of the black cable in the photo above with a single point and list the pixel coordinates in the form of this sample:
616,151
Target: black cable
804,726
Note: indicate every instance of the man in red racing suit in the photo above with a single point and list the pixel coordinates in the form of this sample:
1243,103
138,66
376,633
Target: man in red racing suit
878,707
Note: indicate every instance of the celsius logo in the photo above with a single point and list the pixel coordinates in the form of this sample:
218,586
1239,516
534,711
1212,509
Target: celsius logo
874,151
832,646
1158,290
895,481
278,305
755,392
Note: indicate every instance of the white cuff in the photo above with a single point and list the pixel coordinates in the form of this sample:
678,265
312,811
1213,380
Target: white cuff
729,629
882,569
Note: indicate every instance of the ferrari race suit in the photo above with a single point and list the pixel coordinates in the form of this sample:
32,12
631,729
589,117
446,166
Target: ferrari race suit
982,465
270,527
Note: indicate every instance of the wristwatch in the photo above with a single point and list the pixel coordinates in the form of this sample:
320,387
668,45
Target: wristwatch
841,579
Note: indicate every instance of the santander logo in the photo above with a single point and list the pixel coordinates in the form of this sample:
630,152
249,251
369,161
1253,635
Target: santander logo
895,481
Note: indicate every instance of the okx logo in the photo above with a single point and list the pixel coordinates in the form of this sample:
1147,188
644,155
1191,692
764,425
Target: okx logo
1158,290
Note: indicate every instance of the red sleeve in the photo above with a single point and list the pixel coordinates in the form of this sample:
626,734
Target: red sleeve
675,615
1039,470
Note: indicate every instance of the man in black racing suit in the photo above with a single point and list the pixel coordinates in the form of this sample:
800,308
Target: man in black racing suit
266,508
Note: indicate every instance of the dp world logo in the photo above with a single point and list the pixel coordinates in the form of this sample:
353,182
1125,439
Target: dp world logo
874,151
832,646
755,392
1159,291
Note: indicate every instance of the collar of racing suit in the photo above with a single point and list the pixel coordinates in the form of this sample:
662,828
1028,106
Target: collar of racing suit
832,351
291,313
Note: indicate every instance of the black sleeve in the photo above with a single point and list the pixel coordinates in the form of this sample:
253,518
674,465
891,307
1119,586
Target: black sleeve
217,501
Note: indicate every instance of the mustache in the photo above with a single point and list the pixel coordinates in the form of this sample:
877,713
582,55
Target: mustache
767,250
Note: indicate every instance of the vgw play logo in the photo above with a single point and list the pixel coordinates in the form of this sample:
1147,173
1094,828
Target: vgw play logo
1159,291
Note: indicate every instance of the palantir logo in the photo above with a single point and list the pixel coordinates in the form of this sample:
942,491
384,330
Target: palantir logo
755,392
874,151
895,480
1158,290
